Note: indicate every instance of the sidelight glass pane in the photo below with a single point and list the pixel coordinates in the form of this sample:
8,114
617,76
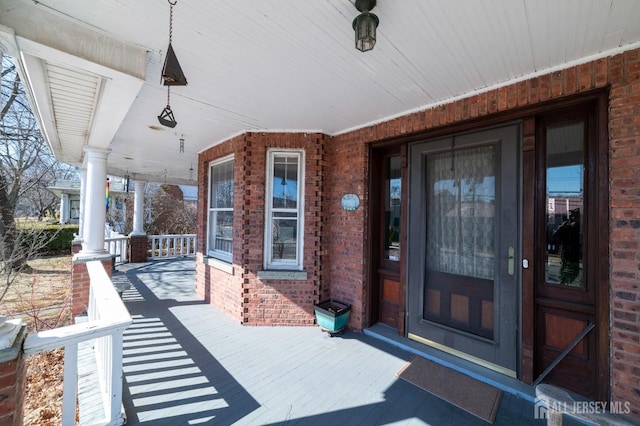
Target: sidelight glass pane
565,205
392,209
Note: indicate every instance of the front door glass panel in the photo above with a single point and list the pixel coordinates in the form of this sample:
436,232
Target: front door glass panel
460,243
565,205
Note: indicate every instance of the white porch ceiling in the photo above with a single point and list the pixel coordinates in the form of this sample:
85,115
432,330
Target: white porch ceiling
280,65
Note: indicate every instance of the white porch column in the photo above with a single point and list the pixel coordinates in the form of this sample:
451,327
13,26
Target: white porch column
83,199
64,208
95,208
138,208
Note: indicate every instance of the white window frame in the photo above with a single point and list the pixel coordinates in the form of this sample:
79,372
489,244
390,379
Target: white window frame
284,264
218,254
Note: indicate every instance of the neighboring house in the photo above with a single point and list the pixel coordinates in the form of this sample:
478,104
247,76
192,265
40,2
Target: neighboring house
69,193
189,193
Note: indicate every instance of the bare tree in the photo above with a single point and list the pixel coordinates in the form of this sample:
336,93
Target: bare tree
26,169
171,215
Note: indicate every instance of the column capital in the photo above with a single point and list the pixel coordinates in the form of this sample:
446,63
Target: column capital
96,152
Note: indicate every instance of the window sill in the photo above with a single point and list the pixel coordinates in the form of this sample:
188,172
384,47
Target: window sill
219,264
283,275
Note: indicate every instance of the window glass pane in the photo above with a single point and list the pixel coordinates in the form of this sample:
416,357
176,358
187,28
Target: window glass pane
220,238
392,209
285,182
565,205
222,185
284,239
224,231
74,209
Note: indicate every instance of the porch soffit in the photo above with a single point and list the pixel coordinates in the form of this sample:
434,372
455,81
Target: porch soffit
282,65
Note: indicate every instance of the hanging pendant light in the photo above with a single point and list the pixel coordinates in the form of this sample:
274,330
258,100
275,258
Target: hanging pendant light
172,74
365,25
166,116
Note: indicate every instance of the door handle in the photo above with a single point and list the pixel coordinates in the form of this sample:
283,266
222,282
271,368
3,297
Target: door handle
511,261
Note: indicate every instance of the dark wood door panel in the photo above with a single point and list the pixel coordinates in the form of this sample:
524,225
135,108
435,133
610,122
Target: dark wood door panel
390,298
556,330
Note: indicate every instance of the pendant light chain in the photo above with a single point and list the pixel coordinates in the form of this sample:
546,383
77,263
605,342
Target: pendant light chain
171,75
171,18
170,39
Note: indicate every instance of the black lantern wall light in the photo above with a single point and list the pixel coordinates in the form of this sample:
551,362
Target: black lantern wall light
365,25
172,74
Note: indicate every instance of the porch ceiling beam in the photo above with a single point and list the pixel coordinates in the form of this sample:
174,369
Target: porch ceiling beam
118,68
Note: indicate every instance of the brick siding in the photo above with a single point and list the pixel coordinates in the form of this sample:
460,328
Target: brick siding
138,248
12,383
243,295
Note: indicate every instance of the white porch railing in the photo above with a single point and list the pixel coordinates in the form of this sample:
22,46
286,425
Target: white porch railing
116,244
117,247
172,245
107,320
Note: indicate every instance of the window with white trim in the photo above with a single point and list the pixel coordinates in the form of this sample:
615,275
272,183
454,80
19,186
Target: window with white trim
284,209
220,220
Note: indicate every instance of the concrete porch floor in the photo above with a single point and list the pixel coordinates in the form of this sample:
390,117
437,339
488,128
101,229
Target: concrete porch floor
187,363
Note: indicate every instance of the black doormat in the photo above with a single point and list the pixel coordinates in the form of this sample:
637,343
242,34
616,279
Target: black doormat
464,392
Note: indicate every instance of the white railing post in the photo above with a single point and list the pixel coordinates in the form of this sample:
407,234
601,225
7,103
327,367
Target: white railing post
116,376
70,385
117,246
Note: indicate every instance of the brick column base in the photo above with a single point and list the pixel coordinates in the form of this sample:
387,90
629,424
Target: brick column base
12,378
138,248
80,281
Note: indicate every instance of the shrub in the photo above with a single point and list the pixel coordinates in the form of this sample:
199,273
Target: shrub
51,238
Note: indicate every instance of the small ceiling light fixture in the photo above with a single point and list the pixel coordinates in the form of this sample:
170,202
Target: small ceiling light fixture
172,75
365,25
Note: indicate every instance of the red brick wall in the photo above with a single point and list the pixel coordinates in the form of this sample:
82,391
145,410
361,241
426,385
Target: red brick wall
242,295
345,231
217,287
80,285
12,380
138,248
624,177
